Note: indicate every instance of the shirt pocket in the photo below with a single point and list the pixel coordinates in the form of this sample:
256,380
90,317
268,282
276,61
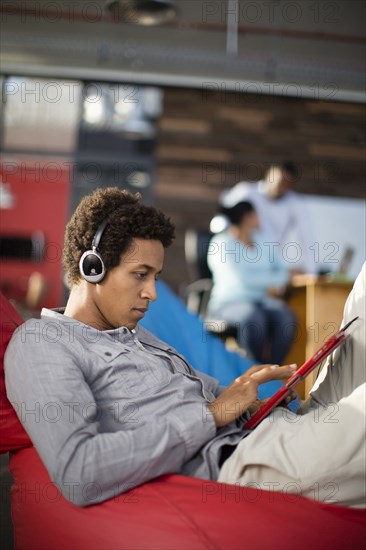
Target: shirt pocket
139,373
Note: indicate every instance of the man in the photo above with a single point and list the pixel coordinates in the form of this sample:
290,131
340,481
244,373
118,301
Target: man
107,405
114,406
283,215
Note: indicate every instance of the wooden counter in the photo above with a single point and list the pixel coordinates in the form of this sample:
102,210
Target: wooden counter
318,303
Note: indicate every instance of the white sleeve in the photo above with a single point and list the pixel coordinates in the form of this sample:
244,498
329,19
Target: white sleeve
240,192
305,233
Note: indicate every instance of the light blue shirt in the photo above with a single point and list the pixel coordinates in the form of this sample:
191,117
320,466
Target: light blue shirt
242,273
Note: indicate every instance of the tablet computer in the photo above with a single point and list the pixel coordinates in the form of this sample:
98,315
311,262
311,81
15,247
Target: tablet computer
322,353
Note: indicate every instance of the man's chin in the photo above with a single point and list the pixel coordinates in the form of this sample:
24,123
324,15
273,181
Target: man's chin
131,325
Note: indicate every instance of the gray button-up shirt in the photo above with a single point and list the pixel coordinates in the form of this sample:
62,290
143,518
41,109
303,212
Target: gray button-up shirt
109,410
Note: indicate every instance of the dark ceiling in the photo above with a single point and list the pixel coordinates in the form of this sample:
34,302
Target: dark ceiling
300,48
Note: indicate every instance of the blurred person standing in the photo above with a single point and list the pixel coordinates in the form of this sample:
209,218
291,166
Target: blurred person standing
282,212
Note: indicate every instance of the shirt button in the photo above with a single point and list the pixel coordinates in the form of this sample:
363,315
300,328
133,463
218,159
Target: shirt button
107,353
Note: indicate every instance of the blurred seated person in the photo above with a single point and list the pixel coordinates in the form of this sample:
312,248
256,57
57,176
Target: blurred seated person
282,212
245,267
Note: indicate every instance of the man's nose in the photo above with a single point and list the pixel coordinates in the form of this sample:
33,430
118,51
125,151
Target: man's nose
149,291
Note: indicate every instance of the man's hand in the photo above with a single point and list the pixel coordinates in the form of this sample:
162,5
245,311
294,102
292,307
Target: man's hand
242,394
258,404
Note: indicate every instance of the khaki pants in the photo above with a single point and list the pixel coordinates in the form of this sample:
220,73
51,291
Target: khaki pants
320,453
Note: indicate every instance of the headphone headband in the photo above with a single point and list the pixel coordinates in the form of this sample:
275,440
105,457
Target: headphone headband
99,233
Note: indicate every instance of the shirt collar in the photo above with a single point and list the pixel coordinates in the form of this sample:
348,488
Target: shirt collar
262,187
120,334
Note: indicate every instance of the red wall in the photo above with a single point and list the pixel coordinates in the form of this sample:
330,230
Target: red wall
41,192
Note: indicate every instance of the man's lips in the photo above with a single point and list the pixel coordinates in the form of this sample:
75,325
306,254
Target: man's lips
140,310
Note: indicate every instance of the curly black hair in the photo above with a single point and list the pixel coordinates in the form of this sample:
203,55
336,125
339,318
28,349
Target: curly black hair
127,219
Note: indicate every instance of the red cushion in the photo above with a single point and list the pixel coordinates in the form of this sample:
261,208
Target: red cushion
12,434
175,513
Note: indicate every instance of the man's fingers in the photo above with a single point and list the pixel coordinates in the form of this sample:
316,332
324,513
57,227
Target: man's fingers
257,368
291,397
273,372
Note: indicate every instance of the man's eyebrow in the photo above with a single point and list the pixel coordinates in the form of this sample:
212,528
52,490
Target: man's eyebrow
148,268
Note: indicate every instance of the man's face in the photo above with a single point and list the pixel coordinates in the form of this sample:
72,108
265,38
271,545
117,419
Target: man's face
279,182
123,297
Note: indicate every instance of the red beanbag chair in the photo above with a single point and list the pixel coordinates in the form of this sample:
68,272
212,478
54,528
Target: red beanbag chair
13,435
169,513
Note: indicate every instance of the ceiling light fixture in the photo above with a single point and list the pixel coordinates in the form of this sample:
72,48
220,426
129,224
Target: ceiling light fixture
143,12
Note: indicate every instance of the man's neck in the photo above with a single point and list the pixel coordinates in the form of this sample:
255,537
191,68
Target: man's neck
79,306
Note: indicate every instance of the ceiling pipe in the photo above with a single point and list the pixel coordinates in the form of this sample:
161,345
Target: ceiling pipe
232,27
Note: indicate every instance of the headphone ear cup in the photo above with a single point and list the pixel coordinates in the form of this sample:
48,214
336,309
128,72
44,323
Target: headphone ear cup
91,267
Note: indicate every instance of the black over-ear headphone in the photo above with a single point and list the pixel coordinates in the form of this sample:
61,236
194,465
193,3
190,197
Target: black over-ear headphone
91,265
